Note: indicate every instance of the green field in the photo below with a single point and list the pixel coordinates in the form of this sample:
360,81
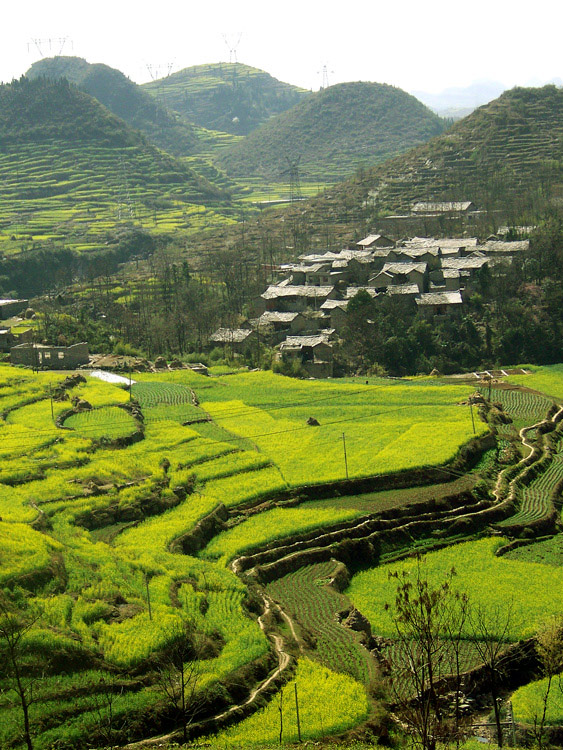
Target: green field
108,519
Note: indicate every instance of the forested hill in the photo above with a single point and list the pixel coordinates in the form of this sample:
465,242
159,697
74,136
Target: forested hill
501,155
230,97
334,130
125,99
71,172
507,156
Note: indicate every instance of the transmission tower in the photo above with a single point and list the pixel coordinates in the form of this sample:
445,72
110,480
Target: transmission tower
44,46
232,45
294,184
324,73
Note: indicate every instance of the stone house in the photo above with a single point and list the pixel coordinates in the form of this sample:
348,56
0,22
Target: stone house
314,353
238,340
401,273
439,303
45,357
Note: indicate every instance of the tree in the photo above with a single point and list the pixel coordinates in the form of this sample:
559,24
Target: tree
178,675
428,635
15,623
490,630
550,652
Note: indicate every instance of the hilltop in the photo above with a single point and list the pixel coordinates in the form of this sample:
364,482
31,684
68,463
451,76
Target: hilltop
506,156
71,171
230,97
333,131
125,99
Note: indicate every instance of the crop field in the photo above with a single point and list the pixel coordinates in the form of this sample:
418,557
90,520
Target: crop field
386,428
546,551
319,713
535,499
528,702
531,592
101,564
547,379
108,422
304,594
524,407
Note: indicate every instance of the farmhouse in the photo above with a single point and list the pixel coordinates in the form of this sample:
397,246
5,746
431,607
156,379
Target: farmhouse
314,353
439,303
46,357
401,273
373,241
295,298
443,207
238,339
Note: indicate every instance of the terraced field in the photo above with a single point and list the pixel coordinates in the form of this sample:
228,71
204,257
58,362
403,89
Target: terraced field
102,562
305,594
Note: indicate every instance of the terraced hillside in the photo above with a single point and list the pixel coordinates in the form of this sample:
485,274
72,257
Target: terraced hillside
206,510
72,172
333,131
125,99
229,97
98,504
500,151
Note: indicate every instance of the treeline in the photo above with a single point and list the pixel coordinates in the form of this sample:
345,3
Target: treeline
513,314
51,269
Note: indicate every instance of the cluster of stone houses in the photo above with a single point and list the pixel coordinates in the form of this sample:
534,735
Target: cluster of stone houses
306,308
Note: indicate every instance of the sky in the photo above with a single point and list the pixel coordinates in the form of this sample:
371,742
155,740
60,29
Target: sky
426,46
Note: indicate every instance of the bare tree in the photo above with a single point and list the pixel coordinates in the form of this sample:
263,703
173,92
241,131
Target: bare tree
15,624
178,676
104,694
550,652
427,620
490,631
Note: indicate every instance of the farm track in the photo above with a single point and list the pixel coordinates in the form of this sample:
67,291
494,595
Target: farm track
267,566
213,723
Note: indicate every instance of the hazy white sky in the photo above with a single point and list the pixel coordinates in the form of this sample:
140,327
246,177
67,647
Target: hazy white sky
414,45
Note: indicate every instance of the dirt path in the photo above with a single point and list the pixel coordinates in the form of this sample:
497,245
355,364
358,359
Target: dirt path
284,661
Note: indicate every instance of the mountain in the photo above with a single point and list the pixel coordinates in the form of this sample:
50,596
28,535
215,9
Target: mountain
230,97
506,155
71,172
333,131
125,99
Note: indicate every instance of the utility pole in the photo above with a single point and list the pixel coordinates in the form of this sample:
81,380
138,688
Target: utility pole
51,398
297,713
472,417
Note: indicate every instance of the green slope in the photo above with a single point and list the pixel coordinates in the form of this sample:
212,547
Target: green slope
497,156
125,99
71,171
334,130
229,97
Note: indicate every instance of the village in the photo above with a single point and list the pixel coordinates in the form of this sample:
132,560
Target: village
305,310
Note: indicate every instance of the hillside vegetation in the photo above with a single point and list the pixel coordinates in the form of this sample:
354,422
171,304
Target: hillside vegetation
503,153
125,99
231,97
333,131
71,171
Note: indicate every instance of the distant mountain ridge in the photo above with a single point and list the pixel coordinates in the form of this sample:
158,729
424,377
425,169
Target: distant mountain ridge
125,99
71,172
503,155
230,97
333,131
